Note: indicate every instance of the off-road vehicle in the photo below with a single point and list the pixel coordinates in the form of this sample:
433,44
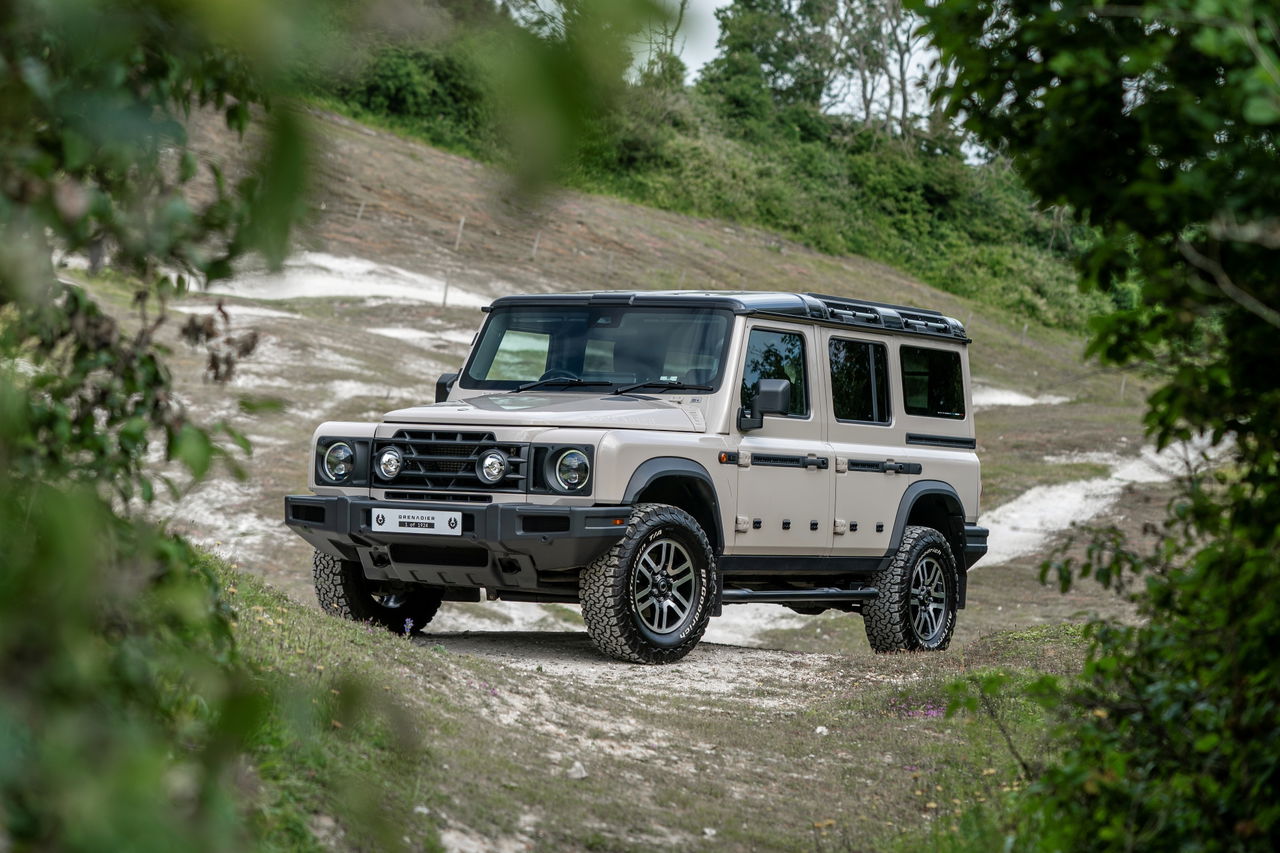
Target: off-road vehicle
655,456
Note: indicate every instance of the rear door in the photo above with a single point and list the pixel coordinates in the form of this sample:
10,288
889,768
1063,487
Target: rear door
785,470
871,469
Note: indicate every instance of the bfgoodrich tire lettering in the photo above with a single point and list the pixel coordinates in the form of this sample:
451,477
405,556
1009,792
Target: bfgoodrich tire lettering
344,591
916,609
648,598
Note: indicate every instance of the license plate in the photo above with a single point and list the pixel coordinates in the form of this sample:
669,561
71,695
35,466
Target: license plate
417,521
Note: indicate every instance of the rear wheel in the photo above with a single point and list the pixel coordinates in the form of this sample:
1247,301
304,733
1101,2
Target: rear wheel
916,608
648,598
344,591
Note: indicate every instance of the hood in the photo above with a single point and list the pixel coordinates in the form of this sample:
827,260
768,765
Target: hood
591,411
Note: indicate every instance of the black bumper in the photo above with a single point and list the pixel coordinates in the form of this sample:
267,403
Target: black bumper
532,548
975,544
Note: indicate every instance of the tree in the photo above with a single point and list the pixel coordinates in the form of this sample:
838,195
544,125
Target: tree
787,40
1157,126
861,57
664,41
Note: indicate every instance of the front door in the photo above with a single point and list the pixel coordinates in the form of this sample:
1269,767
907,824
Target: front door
785,468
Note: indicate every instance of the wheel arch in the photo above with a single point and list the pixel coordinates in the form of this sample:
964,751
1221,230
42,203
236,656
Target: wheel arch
683,483
933,503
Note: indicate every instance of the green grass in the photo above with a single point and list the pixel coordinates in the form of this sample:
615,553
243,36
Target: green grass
339,757
388,738
969,230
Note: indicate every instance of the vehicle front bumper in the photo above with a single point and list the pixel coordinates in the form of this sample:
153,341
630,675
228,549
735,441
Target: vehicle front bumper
509,546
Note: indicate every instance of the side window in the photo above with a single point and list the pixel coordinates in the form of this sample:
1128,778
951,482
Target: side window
932,384
776,355
859,381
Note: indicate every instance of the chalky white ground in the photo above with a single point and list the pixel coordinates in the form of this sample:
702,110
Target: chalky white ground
1018,528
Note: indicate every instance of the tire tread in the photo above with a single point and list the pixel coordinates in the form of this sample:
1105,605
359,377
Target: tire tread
605,599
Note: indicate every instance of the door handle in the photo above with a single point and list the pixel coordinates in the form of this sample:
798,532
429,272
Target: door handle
819,462
891,467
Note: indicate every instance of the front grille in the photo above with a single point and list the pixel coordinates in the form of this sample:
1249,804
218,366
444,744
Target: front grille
447,461
464,497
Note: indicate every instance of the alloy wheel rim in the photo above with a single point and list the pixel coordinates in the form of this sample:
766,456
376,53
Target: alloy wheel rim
928,605
663,586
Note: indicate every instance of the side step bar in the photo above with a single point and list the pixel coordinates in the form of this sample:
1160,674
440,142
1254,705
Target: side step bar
796,596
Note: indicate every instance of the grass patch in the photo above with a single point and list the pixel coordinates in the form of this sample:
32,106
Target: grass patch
826,753
339,761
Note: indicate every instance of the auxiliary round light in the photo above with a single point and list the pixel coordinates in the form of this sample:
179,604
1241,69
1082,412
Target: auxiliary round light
572,470
390,462
339,461
492,467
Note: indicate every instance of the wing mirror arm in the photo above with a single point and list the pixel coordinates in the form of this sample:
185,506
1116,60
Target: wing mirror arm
772,397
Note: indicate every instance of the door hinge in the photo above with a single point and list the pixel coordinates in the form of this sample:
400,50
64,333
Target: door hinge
741,524
842,527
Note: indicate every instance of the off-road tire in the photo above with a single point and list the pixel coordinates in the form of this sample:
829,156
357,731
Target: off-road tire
607,588
344,591
888,618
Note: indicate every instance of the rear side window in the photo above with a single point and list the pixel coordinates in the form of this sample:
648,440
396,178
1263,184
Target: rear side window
932,384
776,355
859,381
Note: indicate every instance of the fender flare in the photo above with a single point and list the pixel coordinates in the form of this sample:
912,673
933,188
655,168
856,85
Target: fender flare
955,508
660,467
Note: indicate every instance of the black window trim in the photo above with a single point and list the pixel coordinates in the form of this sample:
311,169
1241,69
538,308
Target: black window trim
808,399
888,373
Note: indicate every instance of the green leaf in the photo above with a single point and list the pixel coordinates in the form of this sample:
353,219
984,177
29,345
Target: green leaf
191,446
1262,109
1206,743
260,405
75,150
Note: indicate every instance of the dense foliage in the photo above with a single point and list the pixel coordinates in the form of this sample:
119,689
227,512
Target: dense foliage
1159,125
127,719
759,140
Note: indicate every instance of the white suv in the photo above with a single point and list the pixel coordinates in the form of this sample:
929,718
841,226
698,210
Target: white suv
657,455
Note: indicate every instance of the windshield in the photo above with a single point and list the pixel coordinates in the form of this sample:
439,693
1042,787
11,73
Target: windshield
606,346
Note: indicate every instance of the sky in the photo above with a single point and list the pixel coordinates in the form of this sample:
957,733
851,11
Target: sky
700,32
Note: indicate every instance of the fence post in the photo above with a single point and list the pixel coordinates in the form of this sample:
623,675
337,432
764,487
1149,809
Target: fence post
457,241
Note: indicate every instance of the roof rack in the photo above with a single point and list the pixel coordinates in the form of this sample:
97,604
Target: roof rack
881,315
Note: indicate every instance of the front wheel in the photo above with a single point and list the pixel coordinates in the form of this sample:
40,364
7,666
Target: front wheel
916,608
344,591
648,598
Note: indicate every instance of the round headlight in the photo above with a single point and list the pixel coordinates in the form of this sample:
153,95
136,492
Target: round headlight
572,470
390,461
339,461
492,466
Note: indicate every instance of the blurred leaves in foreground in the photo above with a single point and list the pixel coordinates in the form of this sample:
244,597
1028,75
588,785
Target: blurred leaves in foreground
1159,126
128,718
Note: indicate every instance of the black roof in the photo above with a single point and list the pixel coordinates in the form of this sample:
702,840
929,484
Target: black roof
829,310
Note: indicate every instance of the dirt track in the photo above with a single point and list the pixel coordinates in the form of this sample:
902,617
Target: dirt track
550,700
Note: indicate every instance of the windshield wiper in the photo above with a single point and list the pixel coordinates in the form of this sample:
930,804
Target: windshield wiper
664,384
557,380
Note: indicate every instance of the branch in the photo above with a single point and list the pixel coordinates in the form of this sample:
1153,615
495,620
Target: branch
1236,294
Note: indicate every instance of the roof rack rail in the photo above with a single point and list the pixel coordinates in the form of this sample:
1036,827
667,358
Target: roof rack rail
882,315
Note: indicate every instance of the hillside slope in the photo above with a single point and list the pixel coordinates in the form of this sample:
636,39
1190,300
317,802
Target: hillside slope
513,711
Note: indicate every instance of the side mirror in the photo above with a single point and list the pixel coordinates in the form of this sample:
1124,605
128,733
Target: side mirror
773,397
444,385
